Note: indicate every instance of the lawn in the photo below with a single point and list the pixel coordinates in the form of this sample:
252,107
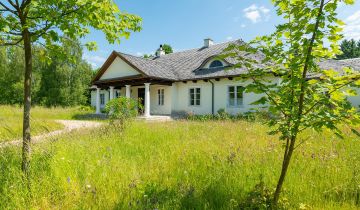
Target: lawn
181,165
42,120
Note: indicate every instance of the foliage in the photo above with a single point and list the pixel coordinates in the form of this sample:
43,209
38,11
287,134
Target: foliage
178,165
305,97
56,82
257,116
350,49
122,110
167,48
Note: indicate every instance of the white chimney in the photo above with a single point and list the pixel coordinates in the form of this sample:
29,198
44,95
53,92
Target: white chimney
160,51
208,42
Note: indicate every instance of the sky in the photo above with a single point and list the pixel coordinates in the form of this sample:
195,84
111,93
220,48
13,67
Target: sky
185,23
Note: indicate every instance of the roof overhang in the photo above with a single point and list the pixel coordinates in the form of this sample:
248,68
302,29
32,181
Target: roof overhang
109,61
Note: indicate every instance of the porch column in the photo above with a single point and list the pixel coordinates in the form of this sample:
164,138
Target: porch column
147,100
111,92
98,101
128,91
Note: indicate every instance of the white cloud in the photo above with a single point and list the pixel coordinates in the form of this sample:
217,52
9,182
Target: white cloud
256,14
352,28
229,38
94,60
242,25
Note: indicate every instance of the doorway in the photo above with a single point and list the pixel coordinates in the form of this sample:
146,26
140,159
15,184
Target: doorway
141,99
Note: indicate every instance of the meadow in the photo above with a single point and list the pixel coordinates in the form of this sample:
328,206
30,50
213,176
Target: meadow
42,120
181,165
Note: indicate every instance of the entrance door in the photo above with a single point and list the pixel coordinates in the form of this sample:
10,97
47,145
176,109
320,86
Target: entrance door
141,98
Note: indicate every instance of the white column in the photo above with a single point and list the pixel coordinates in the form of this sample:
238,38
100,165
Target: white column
98,101
128,91
111,92
147,100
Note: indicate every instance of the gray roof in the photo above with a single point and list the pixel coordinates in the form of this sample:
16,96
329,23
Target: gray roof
186,65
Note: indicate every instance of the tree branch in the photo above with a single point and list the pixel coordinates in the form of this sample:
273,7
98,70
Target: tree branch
7,9
11,43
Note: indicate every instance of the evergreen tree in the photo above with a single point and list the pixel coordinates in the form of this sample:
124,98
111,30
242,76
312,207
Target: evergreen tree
350,49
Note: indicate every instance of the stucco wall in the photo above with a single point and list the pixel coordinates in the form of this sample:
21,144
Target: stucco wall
119,68
220,97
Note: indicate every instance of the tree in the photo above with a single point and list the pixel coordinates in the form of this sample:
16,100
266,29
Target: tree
306,97
25,22
350,49
167,48
65,80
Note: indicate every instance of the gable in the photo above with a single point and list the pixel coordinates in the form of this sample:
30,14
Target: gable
119,68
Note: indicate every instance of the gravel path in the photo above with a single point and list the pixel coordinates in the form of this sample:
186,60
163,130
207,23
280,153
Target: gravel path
70,125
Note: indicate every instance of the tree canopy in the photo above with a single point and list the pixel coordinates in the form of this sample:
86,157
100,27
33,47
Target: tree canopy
350,49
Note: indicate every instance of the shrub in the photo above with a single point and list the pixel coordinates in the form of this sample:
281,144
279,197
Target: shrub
122,110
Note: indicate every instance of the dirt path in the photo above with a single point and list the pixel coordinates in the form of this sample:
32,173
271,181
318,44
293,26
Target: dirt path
70,125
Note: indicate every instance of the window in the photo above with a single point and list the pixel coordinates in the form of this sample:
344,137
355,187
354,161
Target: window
215,64
235,96
161,97
194,96
102,99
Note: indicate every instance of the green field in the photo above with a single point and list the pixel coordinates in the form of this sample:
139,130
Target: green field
42,120
181,165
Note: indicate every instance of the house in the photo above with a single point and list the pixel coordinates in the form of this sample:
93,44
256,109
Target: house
192,81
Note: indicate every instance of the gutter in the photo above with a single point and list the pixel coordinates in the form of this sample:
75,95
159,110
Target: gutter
212,97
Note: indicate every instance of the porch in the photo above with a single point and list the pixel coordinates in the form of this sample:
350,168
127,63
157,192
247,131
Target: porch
154,94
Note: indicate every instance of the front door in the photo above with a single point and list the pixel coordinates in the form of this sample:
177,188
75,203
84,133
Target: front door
141,98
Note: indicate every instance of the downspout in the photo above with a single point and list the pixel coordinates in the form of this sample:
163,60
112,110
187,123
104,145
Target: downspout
212,97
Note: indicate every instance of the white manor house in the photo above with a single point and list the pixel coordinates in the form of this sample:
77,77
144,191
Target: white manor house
192,81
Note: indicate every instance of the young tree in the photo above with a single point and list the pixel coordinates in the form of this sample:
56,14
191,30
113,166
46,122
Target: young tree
24,22
350,49
306,97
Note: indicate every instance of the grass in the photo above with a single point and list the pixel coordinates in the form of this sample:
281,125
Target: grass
180,165
42,120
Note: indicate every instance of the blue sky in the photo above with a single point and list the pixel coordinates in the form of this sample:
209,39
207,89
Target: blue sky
185,23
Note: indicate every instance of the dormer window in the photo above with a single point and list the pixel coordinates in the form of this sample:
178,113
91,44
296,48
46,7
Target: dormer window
216,64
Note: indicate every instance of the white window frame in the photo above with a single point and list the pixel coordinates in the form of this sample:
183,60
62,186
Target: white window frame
195,98
161,96
102,98
236,105
222,64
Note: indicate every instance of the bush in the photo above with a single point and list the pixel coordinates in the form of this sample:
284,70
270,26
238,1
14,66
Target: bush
121,110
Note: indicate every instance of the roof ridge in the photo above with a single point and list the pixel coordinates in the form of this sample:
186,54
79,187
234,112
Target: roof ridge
196,48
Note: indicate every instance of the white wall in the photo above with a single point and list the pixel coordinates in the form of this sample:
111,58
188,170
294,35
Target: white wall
93,97
119,68
220,97
355,100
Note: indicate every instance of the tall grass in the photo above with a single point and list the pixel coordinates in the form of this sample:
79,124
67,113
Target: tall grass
42,120
180,165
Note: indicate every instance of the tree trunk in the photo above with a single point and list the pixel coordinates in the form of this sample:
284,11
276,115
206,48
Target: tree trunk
27,106
285,165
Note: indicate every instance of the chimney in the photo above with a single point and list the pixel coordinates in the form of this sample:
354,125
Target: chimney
160,51
208,42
